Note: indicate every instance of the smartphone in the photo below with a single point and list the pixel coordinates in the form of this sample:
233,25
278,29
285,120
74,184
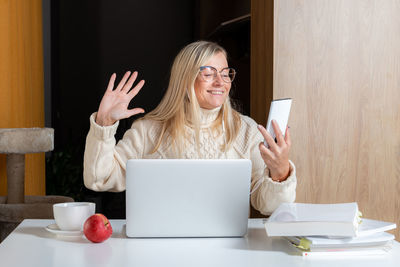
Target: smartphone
279,111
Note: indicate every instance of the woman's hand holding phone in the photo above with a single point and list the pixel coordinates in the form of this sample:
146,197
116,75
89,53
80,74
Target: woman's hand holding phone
276,155
275,148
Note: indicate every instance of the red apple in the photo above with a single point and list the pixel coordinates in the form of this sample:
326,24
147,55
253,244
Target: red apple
97,228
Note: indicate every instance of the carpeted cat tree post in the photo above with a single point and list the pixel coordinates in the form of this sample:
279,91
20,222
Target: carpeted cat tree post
15,207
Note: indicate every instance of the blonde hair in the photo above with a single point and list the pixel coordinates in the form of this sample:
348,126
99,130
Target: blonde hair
179,104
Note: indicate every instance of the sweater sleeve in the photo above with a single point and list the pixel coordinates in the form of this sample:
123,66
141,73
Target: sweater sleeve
105,162
267,194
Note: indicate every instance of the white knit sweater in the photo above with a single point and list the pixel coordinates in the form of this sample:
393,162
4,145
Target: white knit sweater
105,162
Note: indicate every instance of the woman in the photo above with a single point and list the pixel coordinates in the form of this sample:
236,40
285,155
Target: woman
194,120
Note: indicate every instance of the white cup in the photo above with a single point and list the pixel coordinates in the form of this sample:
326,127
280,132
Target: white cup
70,216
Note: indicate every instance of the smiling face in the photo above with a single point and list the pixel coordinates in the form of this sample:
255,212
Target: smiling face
213,94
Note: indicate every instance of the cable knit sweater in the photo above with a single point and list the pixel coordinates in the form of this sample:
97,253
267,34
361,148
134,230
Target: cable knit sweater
105,162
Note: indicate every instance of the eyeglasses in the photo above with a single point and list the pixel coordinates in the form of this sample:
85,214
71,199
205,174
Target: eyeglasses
209,74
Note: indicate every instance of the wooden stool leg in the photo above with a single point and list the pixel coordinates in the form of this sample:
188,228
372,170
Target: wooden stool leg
15,178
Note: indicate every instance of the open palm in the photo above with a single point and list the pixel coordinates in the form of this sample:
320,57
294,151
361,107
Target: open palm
114,104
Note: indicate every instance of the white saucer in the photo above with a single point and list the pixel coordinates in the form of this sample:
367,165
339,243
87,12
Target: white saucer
53,228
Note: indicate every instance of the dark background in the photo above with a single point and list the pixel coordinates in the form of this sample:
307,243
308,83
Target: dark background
90,39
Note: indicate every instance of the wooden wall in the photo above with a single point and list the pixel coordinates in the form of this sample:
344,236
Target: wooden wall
21,82
340,62
261,63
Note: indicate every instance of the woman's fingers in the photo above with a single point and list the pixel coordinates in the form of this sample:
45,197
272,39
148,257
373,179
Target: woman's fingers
130,82
287,137
123,81
278,133
136,89
111,82
266,154
268,138
132,112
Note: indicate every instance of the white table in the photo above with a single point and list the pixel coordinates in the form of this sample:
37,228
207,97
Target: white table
31,245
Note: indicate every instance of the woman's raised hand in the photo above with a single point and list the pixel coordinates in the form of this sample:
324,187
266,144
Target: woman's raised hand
114,104
276,157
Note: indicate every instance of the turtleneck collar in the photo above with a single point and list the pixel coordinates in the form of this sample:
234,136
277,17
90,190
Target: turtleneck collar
208,116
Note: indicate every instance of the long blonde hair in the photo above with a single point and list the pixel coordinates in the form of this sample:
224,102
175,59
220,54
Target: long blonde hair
180,104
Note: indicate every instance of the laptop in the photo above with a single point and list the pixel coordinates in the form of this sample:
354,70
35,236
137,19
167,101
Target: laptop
187,197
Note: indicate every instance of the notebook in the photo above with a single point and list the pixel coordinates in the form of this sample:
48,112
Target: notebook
187,198
371,241
368,227
301,219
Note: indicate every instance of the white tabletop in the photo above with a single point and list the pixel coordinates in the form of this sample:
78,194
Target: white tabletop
31,245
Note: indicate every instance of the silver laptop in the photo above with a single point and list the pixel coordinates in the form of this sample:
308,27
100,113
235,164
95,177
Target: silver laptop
187,198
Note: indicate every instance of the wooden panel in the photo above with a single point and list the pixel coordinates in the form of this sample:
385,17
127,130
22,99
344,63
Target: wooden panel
340,61
21,81
261,65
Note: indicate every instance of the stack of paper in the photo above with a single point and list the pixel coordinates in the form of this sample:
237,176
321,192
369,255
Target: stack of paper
330,230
